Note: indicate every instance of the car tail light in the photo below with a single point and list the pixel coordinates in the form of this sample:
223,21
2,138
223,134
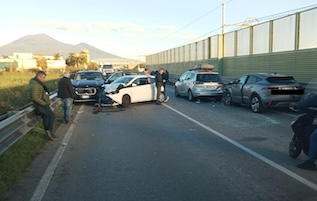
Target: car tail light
198,82
220,82
270,88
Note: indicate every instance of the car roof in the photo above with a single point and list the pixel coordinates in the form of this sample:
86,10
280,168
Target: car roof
266,75
203,71
138,76
90,71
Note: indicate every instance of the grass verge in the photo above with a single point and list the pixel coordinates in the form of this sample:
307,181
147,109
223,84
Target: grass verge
17,159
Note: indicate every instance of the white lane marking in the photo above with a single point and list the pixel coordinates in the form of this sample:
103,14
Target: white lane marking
249,151
46,178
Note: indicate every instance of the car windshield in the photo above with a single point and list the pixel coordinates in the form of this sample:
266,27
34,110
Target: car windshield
88,76
122,80
208,77
107,66
281,79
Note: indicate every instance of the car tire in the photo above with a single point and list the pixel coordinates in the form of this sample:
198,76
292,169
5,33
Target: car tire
191,96
126,101
227,98
176,92
256,104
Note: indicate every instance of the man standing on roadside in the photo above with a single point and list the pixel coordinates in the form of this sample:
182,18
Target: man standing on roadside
159,83
41,101
66,93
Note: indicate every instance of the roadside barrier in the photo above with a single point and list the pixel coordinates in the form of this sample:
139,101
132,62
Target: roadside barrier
16,126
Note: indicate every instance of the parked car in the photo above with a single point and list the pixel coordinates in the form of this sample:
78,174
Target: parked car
114,76
88,85
129,89
200,82
263,90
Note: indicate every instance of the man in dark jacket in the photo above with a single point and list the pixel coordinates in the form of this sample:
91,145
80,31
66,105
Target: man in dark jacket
165,77
41,102
66,93
159,83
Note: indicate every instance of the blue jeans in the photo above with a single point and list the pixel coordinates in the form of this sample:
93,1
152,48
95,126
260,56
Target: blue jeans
47,115
67,108
313,146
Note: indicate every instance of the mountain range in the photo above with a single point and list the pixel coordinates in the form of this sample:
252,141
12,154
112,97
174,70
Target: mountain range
42,44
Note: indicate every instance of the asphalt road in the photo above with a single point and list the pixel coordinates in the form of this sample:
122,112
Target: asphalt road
178,151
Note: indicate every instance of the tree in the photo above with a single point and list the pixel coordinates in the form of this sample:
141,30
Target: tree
41,62
82,59
72,60
57,56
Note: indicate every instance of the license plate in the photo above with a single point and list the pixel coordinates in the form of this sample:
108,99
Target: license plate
210,87
84,96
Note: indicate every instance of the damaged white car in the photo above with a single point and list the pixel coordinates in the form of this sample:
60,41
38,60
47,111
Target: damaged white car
130,89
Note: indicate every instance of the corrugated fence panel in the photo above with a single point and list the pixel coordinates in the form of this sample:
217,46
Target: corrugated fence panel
284,62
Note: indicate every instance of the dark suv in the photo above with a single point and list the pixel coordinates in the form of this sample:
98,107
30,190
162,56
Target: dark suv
88,85
200,82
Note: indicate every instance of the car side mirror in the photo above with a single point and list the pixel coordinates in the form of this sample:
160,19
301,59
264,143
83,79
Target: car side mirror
234,82
134,85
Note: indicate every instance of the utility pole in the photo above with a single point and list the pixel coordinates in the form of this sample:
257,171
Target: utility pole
223,18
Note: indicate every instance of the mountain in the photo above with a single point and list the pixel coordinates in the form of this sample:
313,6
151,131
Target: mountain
42,44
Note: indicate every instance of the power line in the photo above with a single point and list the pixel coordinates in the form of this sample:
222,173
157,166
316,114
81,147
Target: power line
190,23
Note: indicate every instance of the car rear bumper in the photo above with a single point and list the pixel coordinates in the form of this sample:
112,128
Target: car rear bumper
206,93
281,101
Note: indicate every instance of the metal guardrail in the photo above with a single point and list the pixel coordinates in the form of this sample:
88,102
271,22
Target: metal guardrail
19,124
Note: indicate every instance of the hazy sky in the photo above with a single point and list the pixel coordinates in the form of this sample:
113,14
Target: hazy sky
134,28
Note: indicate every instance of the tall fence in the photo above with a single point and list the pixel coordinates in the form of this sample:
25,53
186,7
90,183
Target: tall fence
285,45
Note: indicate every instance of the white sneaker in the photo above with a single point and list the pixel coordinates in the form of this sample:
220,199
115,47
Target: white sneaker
166,99
48,133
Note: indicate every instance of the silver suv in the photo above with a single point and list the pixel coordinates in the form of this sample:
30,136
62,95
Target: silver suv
200,82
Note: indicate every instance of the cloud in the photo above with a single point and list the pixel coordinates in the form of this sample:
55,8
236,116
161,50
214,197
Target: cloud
102,26
166,28
94,27
54,24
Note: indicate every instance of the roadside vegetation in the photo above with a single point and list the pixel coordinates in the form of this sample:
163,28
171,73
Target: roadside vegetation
14,95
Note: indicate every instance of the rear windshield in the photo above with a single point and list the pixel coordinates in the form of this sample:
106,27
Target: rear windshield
208,77
107,66
281,80
88,76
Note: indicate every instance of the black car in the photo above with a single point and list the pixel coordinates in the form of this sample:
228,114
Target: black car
88,85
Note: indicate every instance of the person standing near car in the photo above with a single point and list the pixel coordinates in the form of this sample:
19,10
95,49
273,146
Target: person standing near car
165,77
67,94
41,101
159,83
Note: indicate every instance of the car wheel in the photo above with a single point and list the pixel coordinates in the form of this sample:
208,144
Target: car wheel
176,92
256,104
190,96
227,98
126,101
